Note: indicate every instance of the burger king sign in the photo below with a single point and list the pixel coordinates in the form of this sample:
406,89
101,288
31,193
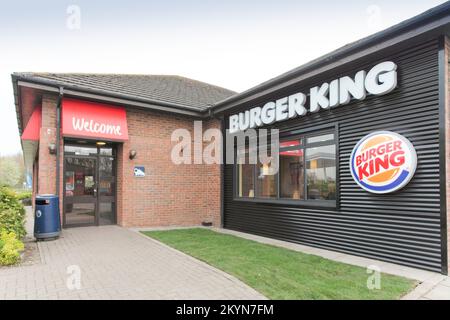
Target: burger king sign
383,162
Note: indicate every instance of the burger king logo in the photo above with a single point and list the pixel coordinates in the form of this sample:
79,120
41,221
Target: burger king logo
383,162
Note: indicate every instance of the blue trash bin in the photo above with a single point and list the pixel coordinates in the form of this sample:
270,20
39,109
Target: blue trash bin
47,224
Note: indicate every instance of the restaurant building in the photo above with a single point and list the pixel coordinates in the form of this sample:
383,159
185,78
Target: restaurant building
363,161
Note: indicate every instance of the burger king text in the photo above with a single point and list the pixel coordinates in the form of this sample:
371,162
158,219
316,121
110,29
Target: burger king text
382,157
381,79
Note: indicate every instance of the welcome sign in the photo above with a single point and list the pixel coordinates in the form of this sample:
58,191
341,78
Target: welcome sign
93,120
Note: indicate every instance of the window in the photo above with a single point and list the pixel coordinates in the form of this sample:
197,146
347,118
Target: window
265,181
246,176
321,172
292,173
307,171
80,151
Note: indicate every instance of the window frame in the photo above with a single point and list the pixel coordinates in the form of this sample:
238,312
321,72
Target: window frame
306,203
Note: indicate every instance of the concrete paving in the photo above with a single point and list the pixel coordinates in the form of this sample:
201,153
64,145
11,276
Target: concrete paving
111,262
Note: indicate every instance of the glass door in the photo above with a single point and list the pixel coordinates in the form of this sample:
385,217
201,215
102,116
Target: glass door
106,187
89,185
80,193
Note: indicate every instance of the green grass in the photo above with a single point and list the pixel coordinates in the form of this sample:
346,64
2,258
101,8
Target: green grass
280,273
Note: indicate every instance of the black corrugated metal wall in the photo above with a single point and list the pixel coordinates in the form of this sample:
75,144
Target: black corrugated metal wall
402,227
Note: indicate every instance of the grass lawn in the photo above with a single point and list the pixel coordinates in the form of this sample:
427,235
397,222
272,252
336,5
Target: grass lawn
280,273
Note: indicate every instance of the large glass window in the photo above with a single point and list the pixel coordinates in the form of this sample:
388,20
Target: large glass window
306,171
266,181
292,173
246,176
321,172
246,180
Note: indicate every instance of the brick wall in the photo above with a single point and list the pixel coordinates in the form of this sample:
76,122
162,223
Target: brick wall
169,194
47,161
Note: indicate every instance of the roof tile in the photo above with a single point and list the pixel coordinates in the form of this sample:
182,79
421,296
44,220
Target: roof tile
165,88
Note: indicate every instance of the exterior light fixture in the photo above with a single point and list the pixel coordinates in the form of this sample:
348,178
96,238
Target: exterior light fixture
101,143
133,154
52,148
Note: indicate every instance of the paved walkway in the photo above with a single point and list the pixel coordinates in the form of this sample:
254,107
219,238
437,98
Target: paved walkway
116,263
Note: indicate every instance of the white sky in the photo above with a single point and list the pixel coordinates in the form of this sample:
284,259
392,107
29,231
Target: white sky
234,44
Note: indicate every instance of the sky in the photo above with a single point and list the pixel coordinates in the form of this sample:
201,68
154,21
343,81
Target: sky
235,44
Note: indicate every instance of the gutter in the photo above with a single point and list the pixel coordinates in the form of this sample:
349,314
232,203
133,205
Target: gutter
58,138
101,95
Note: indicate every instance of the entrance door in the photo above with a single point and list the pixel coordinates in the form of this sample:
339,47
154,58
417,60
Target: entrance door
89,185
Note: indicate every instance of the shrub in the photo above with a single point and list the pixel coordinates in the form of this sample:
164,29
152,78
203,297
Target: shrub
12,212
10,248
25,197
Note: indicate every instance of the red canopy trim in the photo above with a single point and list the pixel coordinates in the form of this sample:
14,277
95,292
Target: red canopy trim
33,127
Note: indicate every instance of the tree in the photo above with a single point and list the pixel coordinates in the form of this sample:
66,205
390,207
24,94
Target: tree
11,171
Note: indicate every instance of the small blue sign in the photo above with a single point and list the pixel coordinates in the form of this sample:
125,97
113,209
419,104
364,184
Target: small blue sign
139,171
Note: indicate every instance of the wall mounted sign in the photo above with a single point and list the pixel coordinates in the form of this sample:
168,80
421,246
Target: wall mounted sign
383,162
139,171
93,120
381,79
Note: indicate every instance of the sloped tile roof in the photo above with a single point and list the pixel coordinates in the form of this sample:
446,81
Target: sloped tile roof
171,89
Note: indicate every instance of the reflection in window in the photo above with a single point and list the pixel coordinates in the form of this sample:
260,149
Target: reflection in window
321,172
79,151
106,151
292,178
266,181
80,176
246,180
246,175
307,171
321,138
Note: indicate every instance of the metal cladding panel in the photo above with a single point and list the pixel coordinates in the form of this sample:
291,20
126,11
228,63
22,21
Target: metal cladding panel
402,227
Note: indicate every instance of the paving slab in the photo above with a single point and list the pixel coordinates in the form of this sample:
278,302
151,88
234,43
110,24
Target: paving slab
110,262
439,292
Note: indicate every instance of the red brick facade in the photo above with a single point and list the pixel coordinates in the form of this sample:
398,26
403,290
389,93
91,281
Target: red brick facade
169,194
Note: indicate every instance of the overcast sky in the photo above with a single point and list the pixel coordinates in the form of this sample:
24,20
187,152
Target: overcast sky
235,44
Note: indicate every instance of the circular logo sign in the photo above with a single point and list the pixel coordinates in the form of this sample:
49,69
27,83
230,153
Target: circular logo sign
38,213
383,162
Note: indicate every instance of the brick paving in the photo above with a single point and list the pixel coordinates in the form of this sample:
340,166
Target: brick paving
117,263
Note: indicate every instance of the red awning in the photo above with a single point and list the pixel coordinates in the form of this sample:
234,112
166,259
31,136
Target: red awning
30,138
33,128
84,119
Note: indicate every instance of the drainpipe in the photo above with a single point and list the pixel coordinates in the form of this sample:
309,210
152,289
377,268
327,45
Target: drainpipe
211,115
222,174
58,138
